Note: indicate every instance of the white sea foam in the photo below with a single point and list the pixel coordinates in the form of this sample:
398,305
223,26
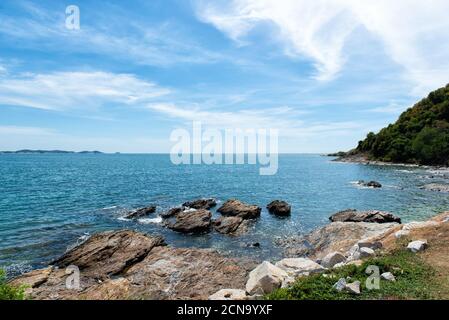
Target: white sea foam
109,208
150,220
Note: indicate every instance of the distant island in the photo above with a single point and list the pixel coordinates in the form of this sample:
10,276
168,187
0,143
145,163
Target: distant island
26,151
420,136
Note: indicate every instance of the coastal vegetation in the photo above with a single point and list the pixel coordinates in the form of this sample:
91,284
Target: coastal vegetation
8,292
420,135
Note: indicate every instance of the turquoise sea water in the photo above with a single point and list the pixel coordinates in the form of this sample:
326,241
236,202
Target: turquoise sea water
50,201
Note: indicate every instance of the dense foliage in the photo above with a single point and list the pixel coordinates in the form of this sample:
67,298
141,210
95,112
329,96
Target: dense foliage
421,134
8,292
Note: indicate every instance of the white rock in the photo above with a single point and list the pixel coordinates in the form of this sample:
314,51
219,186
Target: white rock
229,294
414,225
418,245
366,252
332,259
401,233
299,266
353,287
388,276
265,278
287,282
340,285
339,265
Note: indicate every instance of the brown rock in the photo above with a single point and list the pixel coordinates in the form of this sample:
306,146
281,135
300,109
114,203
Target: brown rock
230,225
172,212
279,208
192,221
240,209
200,204
141,212
374,216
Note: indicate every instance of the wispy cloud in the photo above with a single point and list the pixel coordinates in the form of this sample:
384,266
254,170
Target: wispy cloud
392,108
162,44
69,90
27,131
418,40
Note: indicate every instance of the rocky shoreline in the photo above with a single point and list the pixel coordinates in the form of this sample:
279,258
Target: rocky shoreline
126,264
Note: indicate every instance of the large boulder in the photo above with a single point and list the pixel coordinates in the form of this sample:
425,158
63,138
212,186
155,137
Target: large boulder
230,225
201,204
299,266
192,221
265,279
373,216
240,209
279,208
129,265
140,213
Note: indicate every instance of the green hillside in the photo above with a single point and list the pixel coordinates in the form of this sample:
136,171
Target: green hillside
421,134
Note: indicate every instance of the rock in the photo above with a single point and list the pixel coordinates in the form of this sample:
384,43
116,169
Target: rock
109,253
388,276
401,233
265,279
436,187
369,243
366,252
279,208
332,259
353,288
445,220
230,225
192,221
287,282
299,266
374,184
229,294
374,216
141,213
201,204
370,184
172,212
340,285
415,225
237,208
418,245
129,265
336,236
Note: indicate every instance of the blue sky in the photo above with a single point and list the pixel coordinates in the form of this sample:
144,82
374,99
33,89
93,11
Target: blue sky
323,72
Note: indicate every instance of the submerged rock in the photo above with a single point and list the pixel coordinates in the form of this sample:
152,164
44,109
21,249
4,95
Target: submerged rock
369,184
240,209
201,204
141,212
373,216
279,208
192,221
130,265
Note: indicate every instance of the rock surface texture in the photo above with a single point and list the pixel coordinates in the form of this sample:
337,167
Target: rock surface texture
374,216
130,265
236,208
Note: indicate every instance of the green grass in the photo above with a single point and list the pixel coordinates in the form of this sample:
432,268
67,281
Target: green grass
414,280
8,292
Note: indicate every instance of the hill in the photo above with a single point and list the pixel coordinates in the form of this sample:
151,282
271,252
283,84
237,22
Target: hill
419,136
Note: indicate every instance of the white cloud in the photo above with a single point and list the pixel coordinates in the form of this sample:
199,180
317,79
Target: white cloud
392,108
68,90
7,131
414,32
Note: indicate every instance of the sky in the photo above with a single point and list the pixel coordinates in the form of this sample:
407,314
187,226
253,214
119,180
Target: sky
324,72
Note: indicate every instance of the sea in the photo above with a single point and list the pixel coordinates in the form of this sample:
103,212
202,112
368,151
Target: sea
52,202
